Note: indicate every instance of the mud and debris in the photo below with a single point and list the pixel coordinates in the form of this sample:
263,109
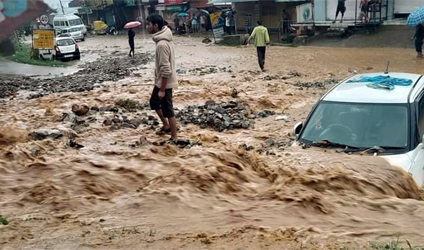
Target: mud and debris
88,170
91,76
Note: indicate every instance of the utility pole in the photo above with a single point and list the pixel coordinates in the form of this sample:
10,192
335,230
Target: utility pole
62,7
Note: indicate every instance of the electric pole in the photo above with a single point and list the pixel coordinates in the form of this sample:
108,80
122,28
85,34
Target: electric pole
62,7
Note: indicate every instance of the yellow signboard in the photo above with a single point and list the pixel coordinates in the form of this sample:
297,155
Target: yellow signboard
214,18
43,39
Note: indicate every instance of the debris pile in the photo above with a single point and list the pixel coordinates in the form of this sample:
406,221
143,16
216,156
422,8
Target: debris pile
86,79
220,117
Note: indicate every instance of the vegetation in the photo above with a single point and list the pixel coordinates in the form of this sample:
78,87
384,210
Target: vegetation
23,52
394,245
3,221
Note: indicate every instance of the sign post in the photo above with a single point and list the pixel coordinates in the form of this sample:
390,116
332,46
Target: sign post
217,25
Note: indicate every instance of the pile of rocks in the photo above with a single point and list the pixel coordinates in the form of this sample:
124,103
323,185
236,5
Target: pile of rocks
209,70
221,116
121,121
317,84
87,79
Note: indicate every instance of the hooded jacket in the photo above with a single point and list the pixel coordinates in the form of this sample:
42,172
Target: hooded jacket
165,59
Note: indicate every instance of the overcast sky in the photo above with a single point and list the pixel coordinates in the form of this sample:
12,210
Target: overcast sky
54,4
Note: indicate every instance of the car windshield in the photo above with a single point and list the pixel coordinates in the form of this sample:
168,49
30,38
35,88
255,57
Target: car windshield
65,42
75,22
74,30
358,124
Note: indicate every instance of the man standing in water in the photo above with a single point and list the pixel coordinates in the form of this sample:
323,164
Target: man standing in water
165,75
341,7
419,37
131,35
261,36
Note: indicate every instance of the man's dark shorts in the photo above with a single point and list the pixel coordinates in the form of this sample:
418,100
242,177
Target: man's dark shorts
341,7
165,103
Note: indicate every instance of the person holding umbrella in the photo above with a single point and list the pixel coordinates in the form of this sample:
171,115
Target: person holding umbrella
131,35
416,18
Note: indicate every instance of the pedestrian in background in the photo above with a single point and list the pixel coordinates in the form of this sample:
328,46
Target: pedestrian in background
131,35
261,40
341,8
419,37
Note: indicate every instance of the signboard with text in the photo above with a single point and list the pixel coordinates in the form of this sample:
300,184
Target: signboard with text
43,39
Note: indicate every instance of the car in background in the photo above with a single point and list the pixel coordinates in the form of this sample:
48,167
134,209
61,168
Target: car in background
75,32
61,22
66,48
359,116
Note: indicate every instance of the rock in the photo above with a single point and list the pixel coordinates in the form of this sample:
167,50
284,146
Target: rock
281,117
116,120
262,114
270,143
43,134
210,102
245,124
220,110
136,122
73,144
80,110
107,122
95,108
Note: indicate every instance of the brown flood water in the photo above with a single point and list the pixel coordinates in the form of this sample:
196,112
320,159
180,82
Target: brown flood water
122,191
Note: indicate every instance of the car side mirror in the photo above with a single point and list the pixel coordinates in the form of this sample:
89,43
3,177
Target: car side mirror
297,128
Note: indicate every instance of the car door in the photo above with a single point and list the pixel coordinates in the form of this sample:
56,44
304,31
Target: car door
417,155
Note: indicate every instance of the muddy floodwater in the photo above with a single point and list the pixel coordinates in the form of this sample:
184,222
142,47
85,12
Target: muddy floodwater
81,165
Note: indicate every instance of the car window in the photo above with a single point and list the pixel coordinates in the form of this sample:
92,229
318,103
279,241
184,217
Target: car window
75,22
65,42
56,23
359,124
421,117
64,31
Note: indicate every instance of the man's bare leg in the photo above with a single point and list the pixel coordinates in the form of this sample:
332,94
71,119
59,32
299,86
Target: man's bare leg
173,126
163,119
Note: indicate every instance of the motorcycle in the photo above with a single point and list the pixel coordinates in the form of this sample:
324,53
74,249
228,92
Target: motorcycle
101,28
111,30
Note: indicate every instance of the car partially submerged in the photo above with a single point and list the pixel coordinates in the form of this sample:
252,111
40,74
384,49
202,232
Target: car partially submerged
361,116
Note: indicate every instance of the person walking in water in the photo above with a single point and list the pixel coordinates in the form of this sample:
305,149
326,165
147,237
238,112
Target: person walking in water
341,8
165,75
261,40
131,35
419,37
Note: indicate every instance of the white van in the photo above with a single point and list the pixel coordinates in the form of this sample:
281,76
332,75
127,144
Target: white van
68,21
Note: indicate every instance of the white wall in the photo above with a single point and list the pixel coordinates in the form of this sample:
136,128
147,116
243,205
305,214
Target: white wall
407,6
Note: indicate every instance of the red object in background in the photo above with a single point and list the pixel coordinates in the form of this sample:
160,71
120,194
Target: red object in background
173,2
34,9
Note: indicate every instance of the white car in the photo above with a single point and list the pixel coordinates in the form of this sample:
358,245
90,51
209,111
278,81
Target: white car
67,48
360,116
75,33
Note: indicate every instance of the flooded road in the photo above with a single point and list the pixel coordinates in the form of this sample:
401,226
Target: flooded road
97,181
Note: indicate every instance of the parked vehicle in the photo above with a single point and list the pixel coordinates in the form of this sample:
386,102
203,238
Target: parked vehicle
61,22
67,48
359,116
101,28
75,33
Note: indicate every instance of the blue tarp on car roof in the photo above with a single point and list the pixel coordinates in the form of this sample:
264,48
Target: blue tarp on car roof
384,82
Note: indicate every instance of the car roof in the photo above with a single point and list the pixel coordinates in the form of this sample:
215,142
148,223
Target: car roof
359,92
64,37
